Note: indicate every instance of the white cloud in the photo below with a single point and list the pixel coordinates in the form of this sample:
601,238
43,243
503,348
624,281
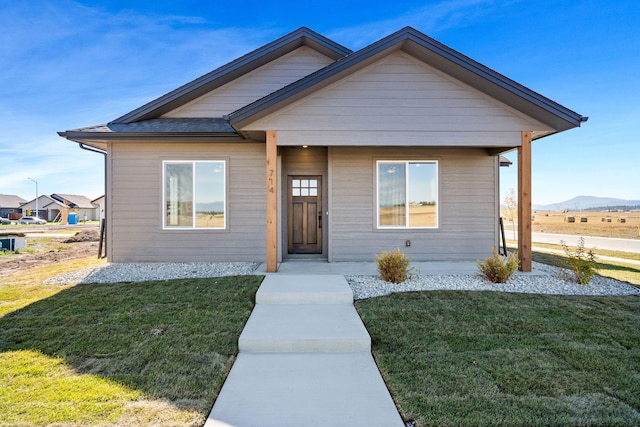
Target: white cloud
66,65
430,19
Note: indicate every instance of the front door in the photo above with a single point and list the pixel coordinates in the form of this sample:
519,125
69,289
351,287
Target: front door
305,214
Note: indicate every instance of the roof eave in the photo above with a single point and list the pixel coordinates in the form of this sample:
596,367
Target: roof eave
100,140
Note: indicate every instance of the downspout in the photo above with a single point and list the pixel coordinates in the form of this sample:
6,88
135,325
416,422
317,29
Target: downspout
102,222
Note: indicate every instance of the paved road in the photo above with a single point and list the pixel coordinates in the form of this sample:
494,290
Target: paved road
624,245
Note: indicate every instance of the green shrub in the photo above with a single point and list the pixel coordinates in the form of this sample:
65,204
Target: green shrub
580,261
498,269
394,266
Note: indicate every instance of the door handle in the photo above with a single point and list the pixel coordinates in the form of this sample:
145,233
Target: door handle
319,219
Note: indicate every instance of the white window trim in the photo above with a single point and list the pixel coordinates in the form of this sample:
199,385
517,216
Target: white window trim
407,227
163,211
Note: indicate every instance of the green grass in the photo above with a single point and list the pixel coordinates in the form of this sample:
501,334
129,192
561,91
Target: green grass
625,272
153,353
25,287
602,252
498,359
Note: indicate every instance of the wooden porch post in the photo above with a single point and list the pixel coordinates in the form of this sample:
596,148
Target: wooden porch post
272,203
524,202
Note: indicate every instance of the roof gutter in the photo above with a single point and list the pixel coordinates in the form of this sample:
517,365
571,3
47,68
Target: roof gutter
104,153
95,150
149,136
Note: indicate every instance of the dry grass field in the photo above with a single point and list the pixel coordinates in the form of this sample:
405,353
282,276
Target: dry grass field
624,225
419,215
208,220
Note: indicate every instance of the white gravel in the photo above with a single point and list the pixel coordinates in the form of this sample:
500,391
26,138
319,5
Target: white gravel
550,282
140,272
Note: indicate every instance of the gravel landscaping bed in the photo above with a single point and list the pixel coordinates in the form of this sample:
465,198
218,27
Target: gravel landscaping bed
141,272
363,287
551,284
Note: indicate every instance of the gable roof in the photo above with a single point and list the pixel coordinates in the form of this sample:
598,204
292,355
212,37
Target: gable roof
436,55
146,123
11,201
54,204
73,200
43,197
234,69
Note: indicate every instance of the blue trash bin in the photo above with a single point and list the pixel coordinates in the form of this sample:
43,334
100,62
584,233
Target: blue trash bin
73,218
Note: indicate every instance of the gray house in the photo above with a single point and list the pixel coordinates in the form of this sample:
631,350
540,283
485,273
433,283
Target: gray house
81,205
303,148
10,206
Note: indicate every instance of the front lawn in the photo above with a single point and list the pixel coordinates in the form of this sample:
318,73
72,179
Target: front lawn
498,359
152,353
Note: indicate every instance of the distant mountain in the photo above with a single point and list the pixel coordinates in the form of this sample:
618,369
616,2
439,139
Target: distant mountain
210,207
587,202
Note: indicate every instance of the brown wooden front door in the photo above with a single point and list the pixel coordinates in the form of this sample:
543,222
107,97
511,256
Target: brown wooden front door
305,214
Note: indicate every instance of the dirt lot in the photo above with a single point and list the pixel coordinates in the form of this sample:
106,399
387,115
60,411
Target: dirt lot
49,245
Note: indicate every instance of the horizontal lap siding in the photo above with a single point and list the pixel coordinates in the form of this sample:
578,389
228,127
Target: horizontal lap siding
254,85
400,138
467,196
398,94
136,204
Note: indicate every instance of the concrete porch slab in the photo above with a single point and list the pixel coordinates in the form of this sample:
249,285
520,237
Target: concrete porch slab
309,289
304,389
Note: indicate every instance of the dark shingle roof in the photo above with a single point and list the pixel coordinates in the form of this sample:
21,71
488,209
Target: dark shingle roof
200,125
205,128
73,200
11,201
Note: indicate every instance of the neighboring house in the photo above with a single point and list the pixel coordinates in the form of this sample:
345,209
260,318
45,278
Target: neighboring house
10,206
303,148
53,210
29,208
85,208
49,207
100,204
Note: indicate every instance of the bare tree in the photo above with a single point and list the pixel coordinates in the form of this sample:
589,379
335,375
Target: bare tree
511,208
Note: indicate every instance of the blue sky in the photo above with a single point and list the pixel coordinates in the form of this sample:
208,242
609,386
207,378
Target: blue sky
66,64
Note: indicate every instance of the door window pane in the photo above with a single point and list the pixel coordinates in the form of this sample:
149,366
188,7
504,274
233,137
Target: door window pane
304,187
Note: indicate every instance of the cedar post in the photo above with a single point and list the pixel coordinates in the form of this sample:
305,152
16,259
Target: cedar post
524,202
272,203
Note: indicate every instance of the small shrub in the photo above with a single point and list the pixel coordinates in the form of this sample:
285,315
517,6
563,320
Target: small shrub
580,261
394,266
498,269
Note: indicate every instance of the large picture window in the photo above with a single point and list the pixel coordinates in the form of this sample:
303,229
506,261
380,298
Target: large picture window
194,194
407,194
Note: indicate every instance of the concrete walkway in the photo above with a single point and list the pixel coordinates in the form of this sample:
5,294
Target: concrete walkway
305,360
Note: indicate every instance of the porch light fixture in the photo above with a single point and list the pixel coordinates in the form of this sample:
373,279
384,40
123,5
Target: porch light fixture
305,146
